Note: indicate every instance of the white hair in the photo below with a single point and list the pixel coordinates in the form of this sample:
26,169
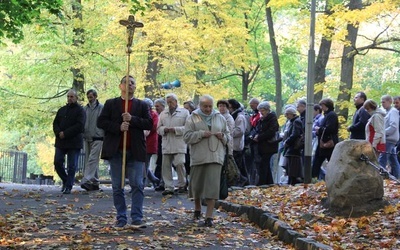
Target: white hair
171,95
264,105
206,97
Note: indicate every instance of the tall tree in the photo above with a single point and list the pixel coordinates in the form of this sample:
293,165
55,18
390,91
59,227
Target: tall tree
275,58
323,53
347,63
78,80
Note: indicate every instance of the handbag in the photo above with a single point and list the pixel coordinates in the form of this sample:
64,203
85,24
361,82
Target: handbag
277,138
223,186
326,145
231,169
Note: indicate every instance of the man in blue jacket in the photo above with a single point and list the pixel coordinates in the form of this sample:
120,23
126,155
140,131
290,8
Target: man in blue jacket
68,126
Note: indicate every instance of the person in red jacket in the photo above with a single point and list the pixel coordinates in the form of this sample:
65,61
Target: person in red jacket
151,143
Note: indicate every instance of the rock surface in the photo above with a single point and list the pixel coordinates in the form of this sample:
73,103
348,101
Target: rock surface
354,187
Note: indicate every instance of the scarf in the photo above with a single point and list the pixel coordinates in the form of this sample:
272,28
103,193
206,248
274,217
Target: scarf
236,112
206,118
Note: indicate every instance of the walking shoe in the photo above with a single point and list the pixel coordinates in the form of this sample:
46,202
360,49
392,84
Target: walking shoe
67,191
86,186
208,222
120,223
197,215
139,224
159,188
90,187
63,188
167,192
181,190
156,183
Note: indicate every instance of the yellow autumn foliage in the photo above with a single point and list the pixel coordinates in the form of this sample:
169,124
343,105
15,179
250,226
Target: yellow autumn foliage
45,156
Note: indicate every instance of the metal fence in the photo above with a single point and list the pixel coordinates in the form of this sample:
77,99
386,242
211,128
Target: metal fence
13,166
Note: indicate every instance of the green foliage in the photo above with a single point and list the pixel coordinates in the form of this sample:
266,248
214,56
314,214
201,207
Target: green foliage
15,14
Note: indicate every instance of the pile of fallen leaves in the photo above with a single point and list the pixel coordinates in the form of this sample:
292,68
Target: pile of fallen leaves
300,207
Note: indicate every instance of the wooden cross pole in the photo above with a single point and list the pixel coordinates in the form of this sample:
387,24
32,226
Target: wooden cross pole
130,24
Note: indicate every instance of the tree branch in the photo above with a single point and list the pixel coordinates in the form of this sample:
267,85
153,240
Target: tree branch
224,77
375,45
57,95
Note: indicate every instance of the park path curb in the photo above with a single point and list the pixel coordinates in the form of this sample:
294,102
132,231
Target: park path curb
269,221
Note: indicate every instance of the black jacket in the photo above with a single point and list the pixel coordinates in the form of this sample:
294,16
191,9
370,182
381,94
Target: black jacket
267,128
110,121
330,124
360,119
71,120
295,130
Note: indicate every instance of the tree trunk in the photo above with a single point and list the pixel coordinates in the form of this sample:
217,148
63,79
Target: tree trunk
275,58
320,66
323,57
347,65
78,82
152,70
245,85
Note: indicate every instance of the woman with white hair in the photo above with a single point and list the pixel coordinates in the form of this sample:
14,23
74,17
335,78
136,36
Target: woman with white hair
207,134
291,152
267,146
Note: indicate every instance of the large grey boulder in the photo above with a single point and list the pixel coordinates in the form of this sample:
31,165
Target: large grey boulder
354,187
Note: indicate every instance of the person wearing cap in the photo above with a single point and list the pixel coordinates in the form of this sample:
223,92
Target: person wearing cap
290,151
151,143
329,129
115,122
93,142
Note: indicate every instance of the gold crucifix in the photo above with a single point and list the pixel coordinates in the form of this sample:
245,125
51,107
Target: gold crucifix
131,25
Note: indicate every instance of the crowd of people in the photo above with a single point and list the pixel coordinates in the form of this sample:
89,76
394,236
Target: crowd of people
192,142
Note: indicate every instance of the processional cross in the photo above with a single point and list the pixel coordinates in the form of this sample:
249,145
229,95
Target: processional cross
131,25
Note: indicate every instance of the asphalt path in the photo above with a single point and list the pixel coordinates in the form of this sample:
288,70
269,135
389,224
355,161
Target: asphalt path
41,217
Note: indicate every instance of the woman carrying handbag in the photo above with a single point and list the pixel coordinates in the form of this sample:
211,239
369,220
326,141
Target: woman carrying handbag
327,133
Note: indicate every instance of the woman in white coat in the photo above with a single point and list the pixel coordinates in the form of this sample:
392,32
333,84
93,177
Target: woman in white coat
375,128
207,134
